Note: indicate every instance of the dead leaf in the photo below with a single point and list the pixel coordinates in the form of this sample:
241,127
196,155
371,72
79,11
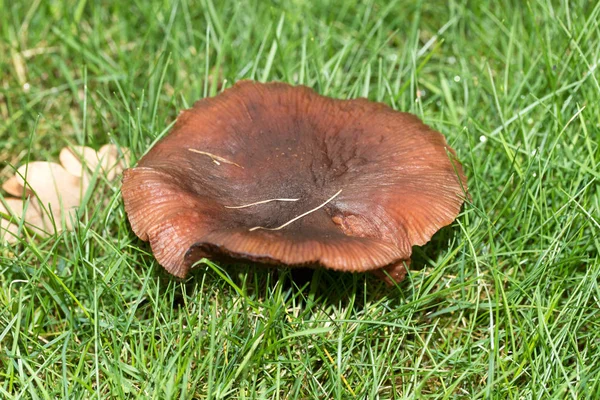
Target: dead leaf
82,160
27,211
58,192
54,191
13,187
78,159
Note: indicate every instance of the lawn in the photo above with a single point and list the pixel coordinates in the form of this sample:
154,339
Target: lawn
504,303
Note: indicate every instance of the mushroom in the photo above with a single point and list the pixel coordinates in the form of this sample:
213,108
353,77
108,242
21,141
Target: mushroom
279,174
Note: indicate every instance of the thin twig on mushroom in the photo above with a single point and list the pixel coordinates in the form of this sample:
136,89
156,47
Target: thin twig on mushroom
260,202
298,217
216,159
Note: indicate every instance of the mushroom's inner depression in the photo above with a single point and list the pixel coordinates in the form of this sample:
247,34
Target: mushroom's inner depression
307,168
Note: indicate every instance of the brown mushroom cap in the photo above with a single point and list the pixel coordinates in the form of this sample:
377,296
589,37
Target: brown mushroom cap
399,184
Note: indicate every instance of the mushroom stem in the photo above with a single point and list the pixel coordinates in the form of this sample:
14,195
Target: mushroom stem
260,202
215,158
299,216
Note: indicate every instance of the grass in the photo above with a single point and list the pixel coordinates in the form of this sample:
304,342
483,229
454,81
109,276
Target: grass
503,304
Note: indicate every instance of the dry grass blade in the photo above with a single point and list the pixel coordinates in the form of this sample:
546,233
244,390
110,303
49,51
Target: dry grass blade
299,216
216,159
260,202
